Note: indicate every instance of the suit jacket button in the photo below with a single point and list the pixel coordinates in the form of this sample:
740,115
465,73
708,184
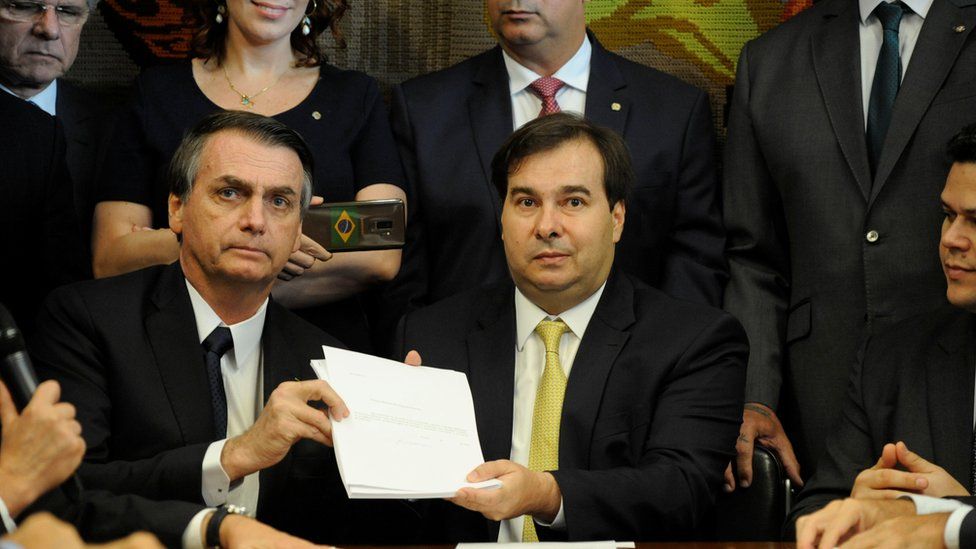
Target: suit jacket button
872,236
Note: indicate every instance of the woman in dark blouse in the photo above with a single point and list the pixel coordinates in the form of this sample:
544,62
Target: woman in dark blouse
260,56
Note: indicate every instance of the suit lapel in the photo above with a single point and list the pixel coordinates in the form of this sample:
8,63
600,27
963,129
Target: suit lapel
837,66
78,121
172,333
606,102
281,362
490,112
934,55
491,373
950,380
604,338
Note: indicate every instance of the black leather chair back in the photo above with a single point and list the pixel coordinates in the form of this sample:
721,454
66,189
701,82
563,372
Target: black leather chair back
756,513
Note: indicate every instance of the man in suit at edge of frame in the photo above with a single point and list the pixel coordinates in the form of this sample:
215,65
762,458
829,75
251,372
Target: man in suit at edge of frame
835,147
914,383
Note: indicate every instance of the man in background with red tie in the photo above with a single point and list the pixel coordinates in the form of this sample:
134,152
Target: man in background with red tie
606,408
450,123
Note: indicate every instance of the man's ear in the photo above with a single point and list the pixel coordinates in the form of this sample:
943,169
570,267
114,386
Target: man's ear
175,207
617,214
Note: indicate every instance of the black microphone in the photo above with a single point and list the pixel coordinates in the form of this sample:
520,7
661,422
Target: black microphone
15,366
18,375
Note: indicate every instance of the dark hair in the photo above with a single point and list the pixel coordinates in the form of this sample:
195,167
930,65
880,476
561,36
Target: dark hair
549,132
209,38
263,129
962,146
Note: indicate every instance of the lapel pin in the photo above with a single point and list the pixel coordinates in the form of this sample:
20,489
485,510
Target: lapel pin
316,115
615,106
959,28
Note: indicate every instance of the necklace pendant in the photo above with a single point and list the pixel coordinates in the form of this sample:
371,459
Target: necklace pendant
246,101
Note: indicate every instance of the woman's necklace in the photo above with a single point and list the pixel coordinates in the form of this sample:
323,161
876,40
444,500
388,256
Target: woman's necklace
248,100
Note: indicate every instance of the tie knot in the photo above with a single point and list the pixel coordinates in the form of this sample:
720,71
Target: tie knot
219,341
890,13
547,86
551,331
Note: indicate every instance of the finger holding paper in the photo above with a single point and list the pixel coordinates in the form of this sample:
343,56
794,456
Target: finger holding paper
413,359
286,419
523,492
412,433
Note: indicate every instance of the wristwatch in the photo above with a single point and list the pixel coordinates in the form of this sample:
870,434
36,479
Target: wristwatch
213,527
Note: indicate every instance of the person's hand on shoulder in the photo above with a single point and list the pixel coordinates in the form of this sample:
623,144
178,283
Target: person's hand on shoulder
761,426
40,447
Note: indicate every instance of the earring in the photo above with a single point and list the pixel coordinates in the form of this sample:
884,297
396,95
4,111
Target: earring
221,10
306,22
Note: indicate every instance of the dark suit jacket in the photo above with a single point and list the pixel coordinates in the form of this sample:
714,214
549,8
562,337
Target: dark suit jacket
101,516
38,230
650,416
126,353
913,383
967,530
800,201
86,120
449,125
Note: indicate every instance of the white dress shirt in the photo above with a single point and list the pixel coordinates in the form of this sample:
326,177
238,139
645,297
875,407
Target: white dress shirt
571,97
242,369
927,505
530,352
47,99
872,36
9,524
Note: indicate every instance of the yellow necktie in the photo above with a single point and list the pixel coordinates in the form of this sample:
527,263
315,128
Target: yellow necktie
548,411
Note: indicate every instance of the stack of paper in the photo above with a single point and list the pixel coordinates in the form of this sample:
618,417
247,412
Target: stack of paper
411,431
553,545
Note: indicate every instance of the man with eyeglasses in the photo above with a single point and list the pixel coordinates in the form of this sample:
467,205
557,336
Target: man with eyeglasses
38,44
49,135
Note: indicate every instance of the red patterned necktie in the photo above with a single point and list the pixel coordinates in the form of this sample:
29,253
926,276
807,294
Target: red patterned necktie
546,88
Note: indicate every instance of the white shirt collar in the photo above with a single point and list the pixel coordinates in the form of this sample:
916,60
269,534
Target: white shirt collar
528,315
246,334
920,7
47,99
575,73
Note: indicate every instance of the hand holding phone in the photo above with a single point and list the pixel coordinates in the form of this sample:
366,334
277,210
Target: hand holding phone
357,226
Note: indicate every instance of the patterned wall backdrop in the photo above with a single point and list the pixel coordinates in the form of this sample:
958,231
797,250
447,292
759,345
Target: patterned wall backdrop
696,40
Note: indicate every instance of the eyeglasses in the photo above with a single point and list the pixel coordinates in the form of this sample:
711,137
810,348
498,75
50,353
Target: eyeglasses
26,11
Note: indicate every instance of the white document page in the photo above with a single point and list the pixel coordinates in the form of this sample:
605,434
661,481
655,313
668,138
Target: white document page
411,431
553,545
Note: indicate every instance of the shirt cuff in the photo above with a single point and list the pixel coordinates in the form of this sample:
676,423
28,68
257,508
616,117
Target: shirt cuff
192,536
216,483
558,523
928,505
953,527
8,521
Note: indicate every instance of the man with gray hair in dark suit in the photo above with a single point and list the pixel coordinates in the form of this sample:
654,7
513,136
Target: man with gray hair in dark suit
38,44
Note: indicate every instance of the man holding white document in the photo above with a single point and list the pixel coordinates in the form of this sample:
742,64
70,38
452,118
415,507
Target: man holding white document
607,409
190,382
